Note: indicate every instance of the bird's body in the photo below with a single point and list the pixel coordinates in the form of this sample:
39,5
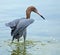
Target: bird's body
18,26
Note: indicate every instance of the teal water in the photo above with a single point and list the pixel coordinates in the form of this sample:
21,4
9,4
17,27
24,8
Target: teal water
41,30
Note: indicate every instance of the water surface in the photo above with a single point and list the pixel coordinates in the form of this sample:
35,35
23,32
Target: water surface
43,36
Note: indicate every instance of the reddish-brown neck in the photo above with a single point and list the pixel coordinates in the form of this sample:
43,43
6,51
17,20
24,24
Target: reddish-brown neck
29,10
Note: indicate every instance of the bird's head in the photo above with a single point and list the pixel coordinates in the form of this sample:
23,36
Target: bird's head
32,9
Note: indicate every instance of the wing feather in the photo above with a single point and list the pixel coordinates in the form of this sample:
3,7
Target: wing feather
22,25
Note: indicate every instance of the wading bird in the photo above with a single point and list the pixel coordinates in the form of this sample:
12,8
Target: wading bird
18,26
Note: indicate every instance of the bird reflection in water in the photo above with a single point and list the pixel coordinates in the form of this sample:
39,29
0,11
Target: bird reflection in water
19,50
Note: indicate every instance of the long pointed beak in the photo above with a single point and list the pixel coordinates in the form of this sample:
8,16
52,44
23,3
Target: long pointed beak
40,15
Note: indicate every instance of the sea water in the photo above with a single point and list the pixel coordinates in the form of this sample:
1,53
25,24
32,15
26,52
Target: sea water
43,36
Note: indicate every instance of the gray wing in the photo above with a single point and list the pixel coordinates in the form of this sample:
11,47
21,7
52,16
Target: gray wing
13,23
22,25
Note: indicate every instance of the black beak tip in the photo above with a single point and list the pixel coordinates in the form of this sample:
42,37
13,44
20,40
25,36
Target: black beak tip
42,17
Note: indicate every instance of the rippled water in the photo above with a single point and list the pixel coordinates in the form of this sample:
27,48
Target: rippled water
30,48
43,36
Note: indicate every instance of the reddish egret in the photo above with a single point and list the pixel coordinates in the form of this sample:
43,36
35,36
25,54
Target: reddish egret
18,26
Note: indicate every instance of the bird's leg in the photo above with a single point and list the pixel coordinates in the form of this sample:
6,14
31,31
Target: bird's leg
24,39
18,39
24,35
12,39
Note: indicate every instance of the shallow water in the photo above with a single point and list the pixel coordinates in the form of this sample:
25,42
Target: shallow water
30,48
43,36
